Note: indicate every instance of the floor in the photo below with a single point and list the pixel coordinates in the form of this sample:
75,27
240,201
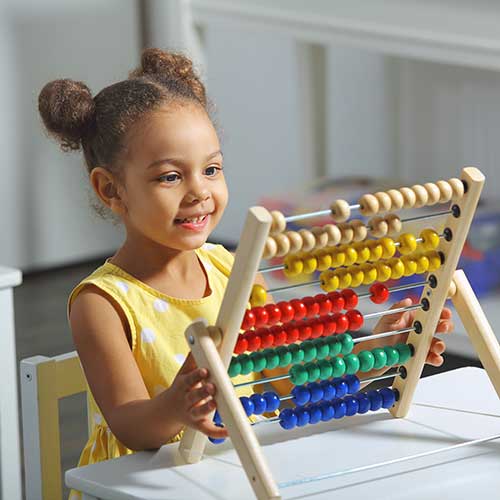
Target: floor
41,329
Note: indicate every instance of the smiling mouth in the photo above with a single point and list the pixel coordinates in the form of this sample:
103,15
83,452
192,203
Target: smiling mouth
192,220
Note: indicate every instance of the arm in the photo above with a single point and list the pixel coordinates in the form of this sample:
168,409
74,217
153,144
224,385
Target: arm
138,421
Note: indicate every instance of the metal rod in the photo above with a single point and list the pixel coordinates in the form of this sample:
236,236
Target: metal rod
319,213
382,335
392,311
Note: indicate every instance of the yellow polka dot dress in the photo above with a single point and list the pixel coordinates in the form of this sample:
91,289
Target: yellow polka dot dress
157,323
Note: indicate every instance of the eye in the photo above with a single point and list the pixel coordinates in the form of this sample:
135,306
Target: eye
171,177
212,170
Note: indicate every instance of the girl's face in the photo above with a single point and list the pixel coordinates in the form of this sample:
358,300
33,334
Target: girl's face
174,189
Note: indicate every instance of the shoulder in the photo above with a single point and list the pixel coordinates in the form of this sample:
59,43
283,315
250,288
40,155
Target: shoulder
219,256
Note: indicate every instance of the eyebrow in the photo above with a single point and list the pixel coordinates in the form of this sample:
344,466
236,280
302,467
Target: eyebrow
176,161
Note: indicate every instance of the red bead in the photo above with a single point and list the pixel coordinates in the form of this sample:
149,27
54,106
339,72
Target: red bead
325,304
266,338
350,298
329,325
337,301
317,328
248,320
274,313
379,293
305,331
311,305
254,341
278,334
342,322
287,311
355,319
261,316
292,333
300,310
241,345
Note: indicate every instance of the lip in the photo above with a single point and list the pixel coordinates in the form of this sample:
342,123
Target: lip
192,226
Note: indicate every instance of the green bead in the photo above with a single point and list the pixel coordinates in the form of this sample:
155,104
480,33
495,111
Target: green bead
338,365
309,349
259,361
284,355
351,363
335,346
313,371
298,374
297,353
272,359
404,351
246,364
322,348
325,369
347,344
366,361
234,367
380,358
392,355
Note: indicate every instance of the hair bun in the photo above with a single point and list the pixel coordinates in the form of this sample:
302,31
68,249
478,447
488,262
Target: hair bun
67,110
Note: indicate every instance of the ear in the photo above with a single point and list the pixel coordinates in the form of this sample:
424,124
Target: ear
108,189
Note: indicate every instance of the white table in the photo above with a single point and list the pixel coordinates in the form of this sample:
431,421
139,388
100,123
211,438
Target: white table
10,454
467,408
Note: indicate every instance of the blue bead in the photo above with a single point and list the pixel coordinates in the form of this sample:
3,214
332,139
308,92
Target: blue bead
217,440
316,392
272,401
259,403
352,406
327,411
217,418
247,405
329,391
301,395
353,384
341,387
340,408
303,416
288,419
388,397
375,400
315,414
363,402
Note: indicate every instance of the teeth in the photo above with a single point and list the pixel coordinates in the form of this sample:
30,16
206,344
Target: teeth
195,220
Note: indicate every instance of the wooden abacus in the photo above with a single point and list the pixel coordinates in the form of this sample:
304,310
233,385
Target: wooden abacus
348,254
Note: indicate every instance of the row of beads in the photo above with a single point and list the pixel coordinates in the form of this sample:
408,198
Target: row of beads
285,355
350,364
394,268
337,408
326,389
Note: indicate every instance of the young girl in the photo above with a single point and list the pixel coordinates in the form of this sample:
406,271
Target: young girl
155,162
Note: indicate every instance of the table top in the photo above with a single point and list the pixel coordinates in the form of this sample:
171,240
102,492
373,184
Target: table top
10,277
449,408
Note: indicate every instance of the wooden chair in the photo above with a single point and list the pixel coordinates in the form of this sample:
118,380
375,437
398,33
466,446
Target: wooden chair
44,381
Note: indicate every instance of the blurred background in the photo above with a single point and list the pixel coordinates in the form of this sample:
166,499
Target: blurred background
308,95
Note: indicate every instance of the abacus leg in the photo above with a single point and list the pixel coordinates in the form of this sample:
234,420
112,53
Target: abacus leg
242,436
478,328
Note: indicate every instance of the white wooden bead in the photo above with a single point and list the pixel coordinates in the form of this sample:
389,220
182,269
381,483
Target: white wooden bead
334,234
396,199
347,233
409,197
278,224
360,230
378,226
384,200
321,237
295,241
394,224
340,210
369,205
270,248
421,195
433,193
308,240
457,187
445,191
283,244
452,290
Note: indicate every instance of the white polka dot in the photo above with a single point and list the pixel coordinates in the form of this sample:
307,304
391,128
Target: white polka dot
122,286
180,358
160,305
209,246
208,267
97,418
158,389
147,335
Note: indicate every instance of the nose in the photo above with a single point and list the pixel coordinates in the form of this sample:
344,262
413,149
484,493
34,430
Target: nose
198,192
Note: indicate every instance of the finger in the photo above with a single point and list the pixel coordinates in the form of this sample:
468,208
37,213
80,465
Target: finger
199,412
194,377
438,346
434,359
445,326
212,430
446,313
196,395
189,364
396,317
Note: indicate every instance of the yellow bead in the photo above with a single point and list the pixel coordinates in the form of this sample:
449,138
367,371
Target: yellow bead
258,296
324,260
345,278
397,268
410,265
329,281
434,260
357,276
338,258
376,250
351,255
363,253
430,239
388,246
407,243
383,271
293,266
370,273
310,264
422,264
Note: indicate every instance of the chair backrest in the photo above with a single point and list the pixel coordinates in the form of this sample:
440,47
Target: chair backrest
44,381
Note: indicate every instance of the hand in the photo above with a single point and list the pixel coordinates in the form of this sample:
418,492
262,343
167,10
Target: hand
401,320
